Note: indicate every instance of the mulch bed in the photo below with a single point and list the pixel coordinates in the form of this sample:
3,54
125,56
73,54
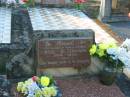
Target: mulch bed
84,87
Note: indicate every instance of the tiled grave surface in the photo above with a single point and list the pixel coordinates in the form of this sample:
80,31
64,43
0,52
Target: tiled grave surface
5,25
63,19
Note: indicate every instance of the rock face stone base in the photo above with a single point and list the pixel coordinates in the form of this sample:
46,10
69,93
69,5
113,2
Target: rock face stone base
14,54
58,72
94,68
20,66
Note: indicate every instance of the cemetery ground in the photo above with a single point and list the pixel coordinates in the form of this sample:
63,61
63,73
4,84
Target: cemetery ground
74,86
90,86
84,86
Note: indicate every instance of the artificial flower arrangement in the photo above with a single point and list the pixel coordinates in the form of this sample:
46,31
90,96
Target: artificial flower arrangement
109,53
124,53
43,86
78,3
23,3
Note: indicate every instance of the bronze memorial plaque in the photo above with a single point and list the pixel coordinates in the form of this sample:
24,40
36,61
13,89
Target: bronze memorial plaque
66,52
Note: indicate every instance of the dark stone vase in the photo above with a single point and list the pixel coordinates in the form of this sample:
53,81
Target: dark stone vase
108,76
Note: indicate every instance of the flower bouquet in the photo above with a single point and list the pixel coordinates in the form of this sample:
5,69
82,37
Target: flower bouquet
43,86
110,54
16,3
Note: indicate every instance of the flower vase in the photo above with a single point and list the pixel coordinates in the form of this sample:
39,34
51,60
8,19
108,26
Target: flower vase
108,75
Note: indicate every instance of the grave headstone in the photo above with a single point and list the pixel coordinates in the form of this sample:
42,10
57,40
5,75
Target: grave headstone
60,24
64,48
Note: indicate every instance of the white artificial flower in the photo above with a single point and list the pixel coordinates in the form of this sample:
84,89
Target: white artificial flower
123,56
32,88
11,2
21,2
122,52
126,44
112,51
31,95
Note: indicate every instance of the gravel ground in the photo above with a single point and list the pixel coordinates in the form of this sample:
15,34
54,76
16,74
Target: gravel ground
84,87
88,88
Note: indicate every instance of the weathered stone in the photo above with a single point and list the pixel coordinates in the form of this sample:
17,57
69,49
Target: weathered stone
20,66
20,44
3,59
5,87
58,72
93,69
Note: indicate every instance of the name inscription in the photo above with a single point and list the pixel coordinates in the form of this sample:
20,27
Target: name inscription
63,53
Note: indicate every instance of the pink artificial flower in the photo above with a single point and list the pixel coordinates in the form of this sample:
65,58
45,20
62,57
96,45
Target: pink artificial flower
79,1
23,1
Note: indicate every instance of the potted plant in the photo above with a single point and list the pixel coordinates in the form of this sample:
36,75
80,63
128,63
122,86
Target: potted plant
109,54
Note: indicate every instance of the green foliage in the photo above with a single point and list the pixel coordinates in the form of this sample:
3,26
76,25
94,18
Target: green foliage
79,6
